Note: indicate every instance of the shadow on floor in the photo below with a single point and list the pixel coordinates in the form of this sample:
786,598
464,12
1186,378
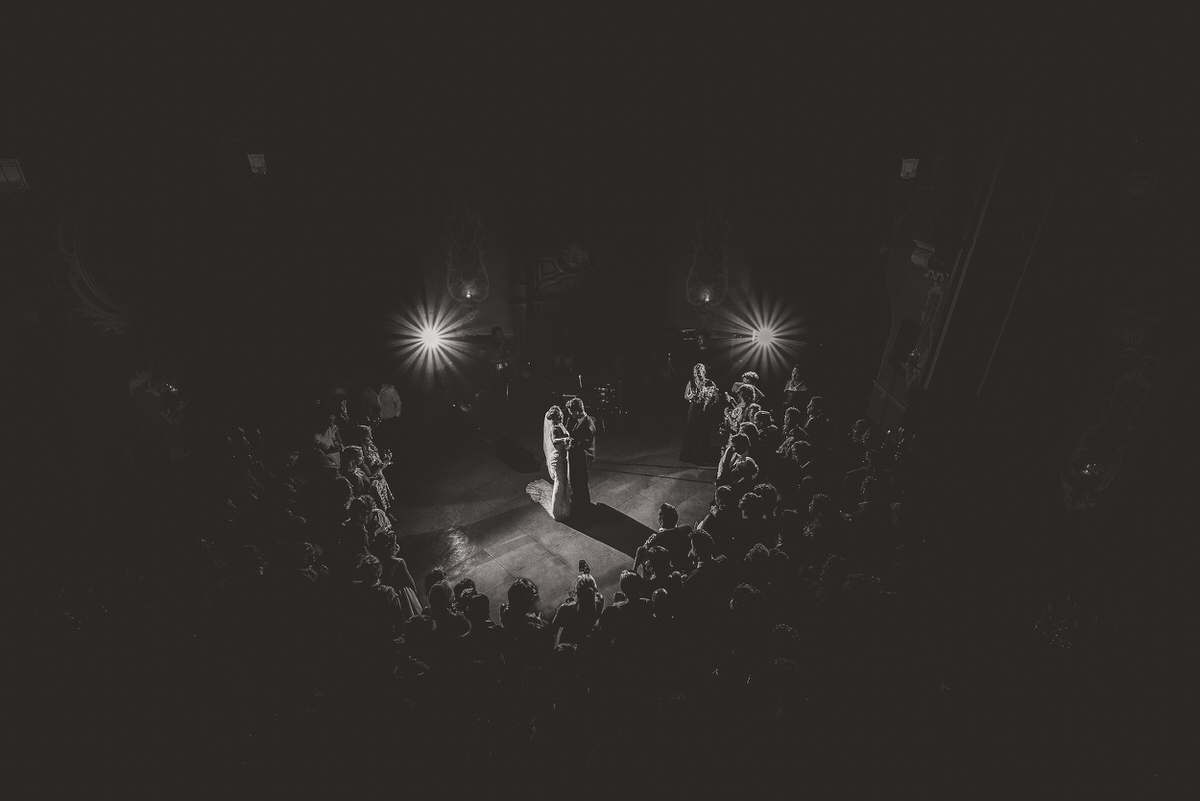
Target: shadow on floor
615,529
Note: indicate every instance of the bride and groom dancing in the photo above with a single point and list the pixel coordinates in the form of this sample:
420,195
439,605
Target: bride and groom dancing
569,442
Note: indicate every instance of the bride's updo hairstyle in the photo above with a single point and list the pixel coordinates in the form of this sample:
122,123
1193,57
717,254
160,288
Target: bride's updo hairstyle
554,414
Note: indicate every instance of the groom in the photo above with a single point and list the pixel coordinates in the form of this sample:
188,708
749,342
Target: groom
582,429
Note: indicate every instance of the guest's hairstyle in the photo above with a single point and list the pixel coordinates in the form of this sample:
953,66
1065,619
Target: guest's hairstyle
433,577
748,600
522,595
668,515
752,504
749,377
362,505
802,451
661,601
631,584
418,631
751,410
554,414
769,493
822,505
478,609
364,433
352,452
723,497
746,394
763,419
699,375
574,405
740,442
702,544
383,543
464,589
441,599
367,569
659,560
816,402
792,417
586,592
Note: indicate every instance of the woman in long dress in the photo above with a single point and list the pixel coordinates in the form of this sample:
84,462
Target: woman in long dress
703,420
554,444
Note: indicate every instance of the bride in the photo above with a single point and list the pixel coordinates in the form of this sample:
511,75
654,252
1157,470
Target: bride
554,444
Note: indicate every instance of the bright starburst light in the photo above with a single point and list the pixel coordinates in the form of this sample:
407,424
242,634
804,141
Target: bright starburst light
427,340
767,335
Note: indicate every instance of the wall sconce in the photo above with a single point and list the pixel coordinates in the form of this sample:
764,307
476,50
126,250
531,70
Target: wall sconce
908,168
258,163
12,177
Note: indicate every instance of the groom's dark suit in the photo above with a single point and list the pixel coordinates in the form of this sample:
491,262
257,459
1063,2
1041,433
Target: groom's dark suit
583,447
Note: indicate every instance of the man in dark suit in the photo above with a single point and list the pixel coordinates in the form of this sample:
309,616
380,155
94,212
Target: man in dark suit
582,430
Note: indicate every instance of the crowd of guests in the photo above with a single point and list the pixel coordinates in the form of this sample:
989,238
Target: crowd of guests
777,600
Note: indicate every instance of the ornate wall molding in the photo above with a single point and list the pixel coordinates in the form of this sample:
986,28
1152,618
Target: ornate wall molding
70,274
467,279
712,257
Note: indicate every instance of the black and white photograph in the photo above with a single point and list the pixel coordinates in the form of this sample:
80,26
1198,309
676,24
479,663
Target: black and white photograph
699,400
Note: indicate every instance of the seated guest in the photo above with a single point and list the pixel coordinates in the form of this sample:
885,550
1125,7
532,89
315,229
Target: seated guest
770,435
655,565
629,623
758,522
826,531
450,622
791,533
485,642
819,428
671,535
528,635
851,488
577,616
737,469
376,611
705,587
354,537
724,520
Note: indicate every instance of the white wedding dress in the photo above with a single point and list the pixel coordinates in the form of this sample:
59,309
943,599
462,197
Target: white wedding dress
556,465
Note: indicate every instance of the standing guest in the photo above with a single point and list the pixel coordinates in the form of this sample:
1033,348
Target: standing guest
750,379
368,401
581,428
703,418
395,573
387,428
373,465
795,392
328,444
